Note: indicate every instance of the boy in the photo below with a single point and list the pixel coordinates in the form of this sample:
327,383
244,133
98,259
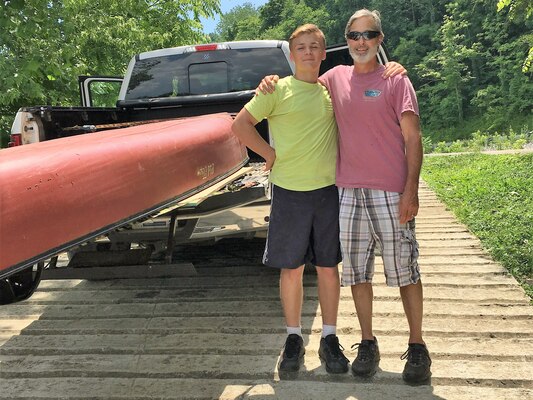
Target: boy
303,224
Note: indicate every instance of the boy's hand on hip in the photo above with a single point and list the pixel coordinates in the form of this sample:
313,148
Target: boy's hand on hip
269,160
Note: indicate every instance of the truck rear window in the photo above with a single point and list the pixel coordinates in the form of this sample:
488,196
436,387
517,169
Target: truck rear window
206,72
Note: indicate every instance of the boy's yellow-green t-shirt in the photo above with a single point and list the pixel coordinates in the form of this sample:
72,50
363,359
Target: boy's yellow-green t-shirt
304,132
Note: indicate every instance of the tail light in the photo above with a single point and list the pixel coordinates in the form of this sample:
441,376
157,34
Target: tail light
16,140
205,47
25,129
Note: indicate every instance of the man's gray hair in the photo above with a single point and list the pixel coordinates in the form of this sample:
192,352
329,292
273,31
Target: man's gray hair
365,13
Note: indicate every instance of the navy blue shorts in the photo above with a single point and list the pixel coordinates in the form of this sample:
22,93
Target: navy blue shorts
303,228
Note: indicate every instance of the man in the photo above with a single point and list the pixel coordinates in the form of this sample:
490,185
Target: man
303,225
378,169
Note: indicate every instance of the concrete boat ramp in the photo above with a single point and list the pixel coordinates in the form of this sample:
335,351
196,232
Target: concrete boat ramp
215,331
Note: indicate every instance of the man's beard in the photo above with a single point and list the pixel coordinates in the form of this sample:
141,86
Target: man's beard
360,59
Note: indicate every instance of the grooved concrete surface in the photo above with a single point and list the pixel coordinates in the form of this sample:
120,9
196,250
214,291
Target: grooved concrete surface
218,335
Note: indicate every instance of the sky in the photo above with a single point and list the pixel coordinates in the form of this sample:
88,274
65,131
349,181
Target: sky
225,6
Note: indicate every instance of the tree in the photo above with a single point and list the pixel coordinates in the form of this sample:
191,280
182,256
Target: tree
240,23
46,44
505,90
463,56
521,10
293,15
271,13
446,70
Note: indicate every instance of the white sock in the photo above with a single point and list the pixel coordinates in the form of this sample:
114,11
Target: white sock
294,330
329,330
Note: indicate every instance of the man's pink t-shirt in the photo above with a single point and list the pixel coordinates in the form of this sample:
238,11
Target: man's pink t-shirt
368,110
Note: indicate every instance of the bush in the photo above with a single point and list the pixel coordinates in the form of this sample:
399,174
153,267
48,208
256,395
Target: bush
483,141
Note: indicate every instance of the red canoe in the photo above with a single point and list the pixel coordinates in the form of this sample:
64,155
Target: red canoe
62,192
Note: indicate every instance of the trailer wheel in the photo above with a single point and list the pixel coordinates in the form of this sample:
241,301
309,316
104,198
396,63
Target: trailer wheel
21,285
7,295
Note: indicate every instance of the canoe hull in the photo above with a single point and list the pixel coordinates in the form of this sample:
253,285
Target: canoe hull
59,193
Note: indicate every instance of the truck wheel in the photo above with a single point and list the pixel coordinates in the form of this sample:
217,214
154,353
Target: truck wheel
7,295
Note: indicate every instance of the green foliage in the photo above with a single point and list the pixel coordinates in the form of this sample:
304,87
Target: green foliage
469,71
413,47
104,94
517,8
293,15
241,23
521,10
445,73
427,144
46,44
483,141
493,196
271,13
464,57
505,90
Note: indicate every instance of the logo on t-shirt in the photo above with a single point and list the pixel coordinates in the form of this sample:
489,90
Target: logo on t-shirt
372,93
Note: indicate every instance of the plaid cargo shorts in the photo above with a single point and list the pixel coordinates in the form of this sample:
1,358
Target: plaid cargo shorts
370,218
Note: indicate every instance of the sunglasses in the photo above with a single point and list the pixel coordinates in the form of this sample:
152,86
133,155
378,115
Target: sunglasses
366,35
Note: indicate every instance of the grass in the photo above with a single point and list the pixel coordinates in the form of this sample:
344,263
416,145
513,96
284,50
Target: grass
493,196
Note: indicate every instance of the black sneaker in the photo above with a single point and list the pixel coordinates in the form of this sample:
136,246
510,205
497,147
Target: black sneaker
330,352
367,360
293,353
417,367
